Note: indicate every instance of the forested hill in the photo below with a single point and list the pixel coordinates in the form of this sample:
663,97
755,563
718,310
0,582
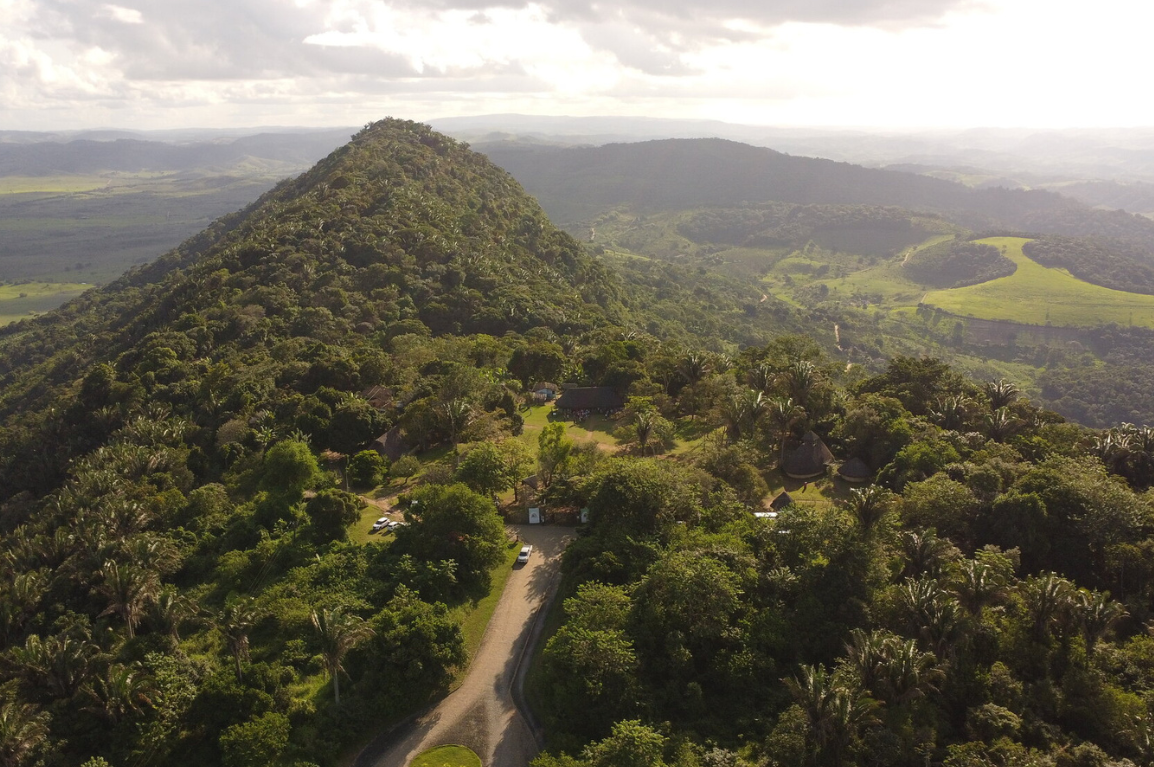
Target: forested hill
167,588
575,184
402,230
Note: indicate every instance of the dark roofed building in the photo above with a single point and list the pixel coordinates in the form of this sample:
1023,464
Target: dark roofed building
782,500
810,459
378,396
391,444
855,470
597,398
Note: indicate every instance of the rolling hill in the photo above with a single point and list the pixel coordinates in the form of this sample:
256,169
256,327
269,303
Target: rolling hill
576,184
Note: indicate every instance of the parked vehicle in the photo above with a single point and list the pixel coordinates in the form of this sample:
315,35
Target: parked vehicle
523,557
381,523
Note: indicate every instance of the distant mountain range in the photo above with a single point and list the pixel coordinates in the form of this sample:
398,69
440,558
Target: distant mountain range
574,184
115,152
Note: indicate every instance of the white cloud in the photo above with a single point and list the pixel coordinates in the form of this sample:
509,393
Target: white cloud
65,63
124,15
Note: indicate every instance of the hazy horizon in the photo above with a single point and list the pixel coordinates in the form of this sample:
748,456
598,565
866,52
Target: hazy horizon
876,64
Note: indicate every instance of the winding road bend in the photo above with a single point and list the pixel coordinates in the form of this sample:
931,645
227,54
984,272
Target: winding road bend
481,713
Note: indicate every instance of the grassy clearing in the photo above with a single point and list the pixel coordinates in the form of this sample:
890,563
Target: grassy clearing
50,184
1037,295
447,756
361,531
823,491
18,302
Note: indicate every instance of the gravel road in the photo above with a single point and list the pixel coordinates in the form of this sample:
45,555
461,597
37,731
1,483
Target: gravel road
481,713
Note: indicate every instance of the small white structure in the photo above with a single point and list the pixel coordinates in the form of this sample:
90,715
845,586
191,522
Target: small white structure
585,516
535,516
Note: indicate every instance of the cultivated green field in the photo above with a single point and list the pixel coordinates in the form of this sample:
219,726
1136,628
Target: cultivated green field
1037,295
31,298
50,184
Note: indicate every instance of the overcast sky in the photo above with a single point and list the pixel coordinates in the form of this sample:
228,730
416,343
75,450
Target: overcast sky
67,64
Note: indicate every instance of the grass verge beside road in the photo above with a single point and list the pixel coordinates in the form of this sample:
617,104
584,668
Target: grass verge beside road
474,616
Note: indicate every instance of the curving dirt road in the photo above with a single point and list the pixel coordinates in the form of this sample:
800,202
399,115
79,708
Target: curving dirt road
481,713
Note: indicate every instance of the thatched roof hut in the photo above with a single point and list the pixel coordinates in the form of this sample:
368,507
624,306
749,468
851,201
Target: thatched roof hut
809,460
855,470
391,444
782,500
602,398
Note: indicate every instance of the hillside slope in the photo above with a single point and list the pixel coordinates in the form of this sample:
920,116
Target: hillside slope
575,184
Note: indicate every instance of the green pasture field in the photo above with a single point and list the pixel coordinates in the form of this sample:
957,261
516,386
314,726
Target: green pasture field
1038,295
93,227
31,298
50,184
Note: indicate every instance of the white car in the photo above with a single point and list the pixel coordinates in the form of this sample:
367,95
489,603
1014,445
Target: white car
523,557
380,523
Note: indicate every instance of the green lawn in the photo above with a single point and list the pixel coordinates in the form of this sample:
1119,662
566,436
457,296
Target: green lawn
1037,295
447,756
361,531
596,427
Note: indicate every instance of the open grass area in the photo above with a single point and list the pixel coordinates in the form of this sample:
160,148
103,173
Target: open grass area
848,278
50,184
31,298
447,756
361,531
597,428
822,491
1037,295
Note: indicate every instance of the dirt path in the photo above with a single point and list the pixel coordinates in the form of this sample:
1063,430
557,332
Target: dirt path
481,713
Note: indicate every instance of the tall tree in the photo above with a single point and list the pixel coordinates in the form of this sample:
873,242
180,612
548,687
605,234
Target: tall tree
128,589
23,729
339,632
234,623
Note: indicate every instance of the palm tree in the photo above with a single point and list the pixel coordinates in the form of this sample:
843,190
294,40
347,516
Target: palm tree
458,413
951,412
762,377
119,692
926,553
892,669
339,632
800,379
741,411
1002,424
695,366
128,588
1048,596
784,414
932,614
23,728
1096,613
18,600
169,610
644,422
235,622
58,665
978,586
1001,393
868,506
835,713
